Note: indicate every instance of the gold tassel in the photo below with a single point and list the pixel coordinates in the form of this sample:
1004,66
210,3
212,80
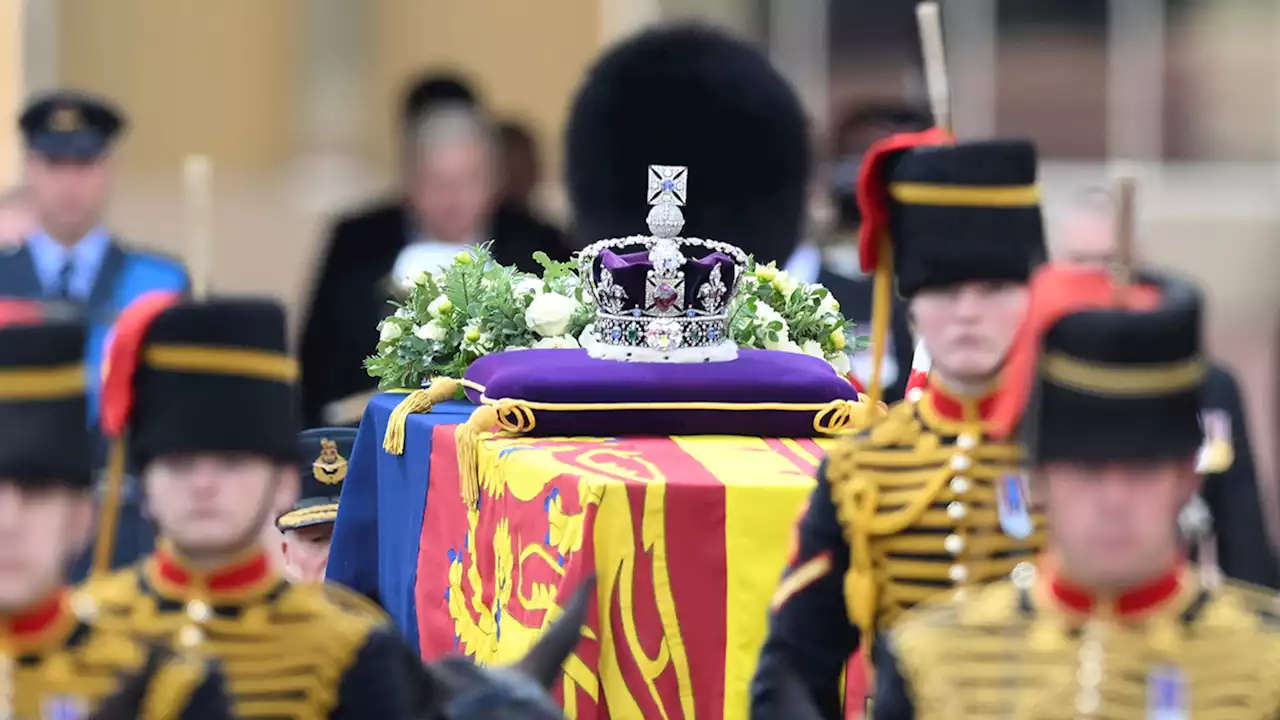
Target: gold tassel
1216,456
467,436
416,402
109,515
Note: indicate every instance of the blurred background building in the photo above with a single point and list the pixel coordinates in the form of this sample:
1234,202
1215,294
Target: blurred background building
296,101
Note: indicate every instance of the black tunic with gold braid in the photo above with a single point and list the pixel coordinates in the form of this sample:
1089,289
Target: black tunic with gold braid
289,651
56,661
906,510
1112,384
214,378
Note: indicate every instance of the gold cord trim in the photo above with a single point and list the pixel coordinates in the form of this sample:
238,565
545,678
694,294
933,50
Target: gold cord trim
1132,381
217,360
42,383
974,196
316,512
417,402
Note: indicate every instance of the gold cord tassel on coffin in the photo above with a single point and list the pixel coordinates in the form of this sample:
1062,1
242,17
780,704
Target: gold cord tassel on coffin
419,401
467,437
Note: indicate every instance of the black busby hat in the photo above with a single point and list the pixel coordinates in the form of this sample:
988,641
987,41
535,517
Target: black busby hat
194,377
695,97
322,462
952,213
71,125
43,413
436,88
1101,374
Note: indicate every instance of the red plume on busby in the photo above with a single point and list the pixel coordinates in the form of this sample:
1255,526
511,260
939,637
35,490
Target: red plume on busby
120,362
873,189
1056,291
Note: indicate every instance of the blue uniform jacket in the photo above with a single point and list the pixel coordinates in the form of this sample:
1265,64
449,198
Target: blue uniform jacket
124,276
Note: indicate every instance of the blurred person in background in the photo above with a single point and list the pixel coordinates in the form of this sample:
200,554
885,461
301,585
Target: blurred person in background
447,203
1231,511
307,528
17,216
71,257
690,96
521,176
832,259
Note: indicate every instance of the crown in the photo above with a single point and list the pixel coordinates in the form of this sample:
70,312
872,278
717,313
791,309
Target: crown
655,304
327,444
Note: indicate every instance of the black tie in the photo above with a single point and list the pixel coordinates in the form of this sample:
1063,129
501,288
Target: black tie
62,290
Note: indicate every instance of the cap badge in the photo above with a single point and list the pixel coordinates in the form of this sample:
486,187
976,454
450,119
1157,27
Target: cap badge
66,120
330,468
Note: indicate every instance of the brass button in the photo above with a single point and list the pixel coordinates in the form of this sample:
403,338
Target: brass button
199,611
190,636
1023,575
1088,701
958,573
959,484
914,395
960,462
966,442
954,544
956,510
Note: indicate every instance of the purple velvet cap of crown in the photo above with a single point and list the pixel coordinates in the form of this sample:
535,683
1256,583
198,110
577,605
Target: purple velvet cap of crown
630,271
571,376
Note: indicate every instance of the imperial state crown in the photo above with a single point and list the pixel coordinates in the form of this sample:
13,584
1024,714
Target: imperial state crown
656,303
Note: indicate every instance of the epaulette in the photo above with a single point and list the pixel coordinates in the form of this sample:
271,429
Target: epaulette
1260,602
116,589
348,618
899,426
353,603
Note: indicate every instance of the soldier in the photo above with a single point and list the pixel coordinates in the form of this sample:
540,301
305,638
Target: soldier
206,392
55,660
308,527
72,256
923,502
1114,623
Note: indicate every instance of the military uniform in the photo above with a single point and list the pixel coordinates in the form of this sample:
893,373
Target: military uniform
209,378
322,464
923,502
56,660
1112,384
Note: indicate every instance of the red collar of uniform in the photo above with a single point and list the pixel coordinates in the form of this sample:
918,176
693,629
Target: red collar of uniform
954,407
37,624
1136,601
251,574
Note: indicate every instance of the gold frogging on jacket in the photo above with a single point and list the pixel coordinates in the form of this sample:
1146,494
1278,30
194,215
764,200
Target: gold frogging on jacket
330,468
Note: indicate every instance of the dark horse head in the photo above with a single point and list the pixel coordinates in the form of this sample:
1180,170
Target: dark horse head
454,688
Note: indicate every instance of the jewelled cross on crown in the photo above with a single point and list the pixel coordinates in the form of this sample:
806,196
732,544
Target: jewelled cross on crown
664,285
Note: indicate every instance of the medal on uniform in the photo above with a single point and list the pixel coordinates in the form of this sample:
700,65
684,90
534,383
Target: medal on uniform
1012,506
1166,694
63,707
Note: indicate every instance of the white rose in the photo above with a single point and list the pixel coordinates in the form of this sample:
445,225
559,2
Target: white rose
431,331
390,331
840,361
783,345
404,313
829,305
563,341
529,286
549,314
439,306
811,347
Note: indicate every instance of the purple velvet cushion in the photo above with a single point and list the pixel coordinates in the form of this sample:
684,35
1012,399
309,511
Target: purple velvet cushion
566,377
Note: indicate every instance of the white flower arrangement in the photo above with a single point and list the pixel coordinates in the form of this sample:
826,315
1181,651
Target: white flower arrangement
472,308
476,307
776,312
